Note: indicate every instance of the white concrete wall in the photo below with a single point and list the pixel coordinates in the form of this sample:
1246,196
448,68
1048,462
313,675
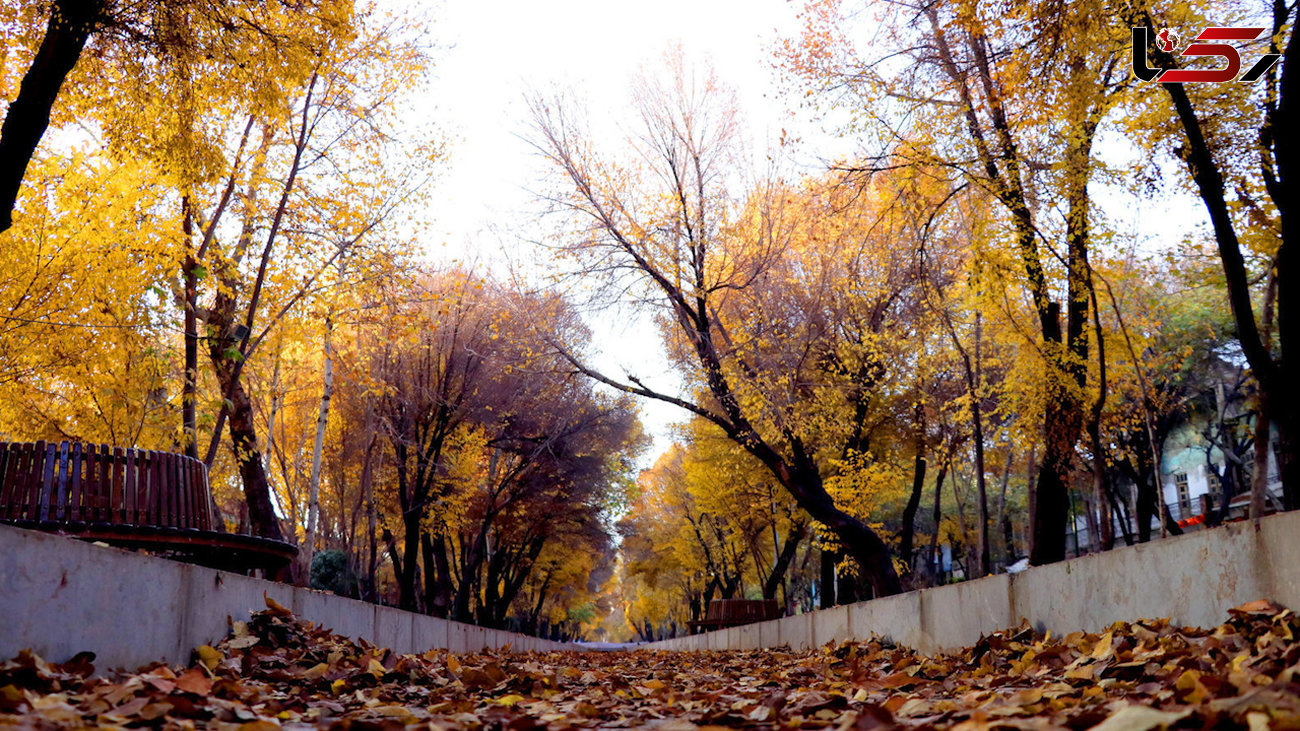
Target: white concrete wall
60,596
1193,579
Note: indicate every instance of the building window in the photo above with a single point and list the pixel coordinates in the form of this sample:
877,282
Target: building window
1215,485
1184,497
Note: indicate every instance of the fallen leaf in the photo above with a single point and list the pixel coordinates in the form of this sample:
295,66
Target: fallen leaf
1139,718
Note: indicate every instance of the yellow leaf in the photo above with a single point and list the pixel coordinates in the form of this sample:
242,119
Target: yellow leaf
276,607
1101,650
209,656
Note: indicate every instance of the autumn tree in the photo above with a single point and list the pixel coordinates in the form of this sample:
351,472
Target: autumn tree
305,197
51,38
975,68
671,229
497,451
1244,166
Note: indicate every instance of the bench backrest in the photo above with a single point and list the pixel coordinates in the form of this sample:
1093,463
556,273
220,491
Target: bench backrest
743,611
93,483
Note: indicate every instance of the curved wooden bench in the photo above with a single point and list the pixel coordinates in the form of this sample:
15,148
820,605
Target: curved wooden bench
724,613
134,498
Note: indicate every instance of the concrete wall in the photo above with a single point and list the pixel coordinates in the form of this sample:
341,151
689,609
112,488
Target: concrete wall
1193,579
60,596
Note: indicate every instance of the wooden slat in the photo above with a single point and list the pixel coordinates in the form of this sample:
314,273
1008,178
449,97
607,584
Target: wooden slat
33,489
45,489
130,488
61,494
203,507
142,489
117,503
182,494
183,518
205,495
12,479
103,478
45,497
90,463
23,490
155,488
170,488
164,485
21,479
8,457
76,467
142,467
190,518
31,505
199,495
90,481
104,486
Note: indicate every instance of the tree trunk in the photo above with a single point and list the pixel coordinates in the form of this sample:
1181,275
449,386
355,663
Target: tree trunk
410,576
1102,490
318,446
243,439
970,551
802,479
190,384
910,509
1145,502
985,565
918,481
1052,491
70,25
441,600
828,561
368,494
430,574
783,560
1004,520
937,516
1259,476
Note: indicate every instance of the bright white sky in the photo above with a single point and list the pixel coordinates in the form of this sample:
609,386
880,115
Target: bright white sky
499,50
494,52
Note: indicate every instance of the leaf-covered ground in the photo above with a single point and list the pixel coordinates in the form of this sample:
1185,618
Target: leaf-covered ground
278,672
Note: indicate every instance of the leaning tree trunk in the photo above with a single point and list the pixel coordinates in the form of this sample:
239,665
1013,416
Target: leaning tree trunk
802,479
243,439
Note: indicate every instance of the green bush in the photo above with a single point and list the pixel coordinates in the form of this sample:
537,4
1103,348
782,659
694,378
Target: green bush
331,570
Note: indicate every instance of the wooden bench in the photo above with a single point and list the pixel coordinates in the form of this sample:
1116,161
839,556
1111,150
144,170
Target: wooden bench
733,612
134,498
